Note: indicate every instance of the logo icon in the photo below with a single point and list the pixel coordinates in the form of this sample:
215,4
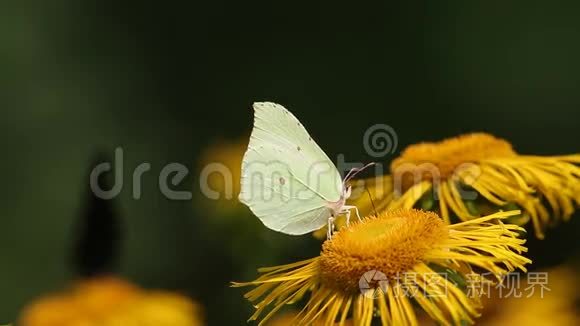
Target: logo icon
380,140
373,283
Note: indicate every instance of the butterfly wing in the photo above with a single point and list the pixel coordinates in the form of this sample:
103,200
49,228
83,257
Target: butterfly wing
287,180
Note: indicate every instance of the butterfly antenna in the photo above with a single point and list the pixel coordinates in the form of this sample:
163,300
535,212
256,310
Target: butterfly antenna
372,202
354,171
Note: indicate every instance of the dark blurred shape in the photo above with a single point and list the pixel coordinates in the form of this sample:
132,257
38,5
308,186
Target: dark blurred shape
97,246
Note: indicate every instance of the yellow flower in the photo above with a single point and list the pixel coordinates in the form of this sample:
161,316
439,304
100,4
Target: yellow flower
289,319
109,301
220,170
521,302
547,297
529,305
402,251
544,188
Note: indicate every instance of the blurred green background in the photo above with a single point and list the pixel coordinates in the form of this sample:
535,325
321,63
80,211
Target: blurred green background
165,80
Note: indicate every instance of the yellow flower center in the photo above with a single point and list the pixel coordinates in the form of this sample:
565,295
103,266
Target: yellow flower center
426,160
391,243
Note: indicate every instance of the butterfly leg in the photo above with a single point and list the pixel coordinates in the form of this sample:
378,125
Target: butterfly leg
349,207
357,213
330,227
347,214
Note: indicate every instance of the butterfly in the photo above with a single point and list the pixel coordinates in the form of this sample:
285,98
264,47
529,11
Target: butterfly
287,181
